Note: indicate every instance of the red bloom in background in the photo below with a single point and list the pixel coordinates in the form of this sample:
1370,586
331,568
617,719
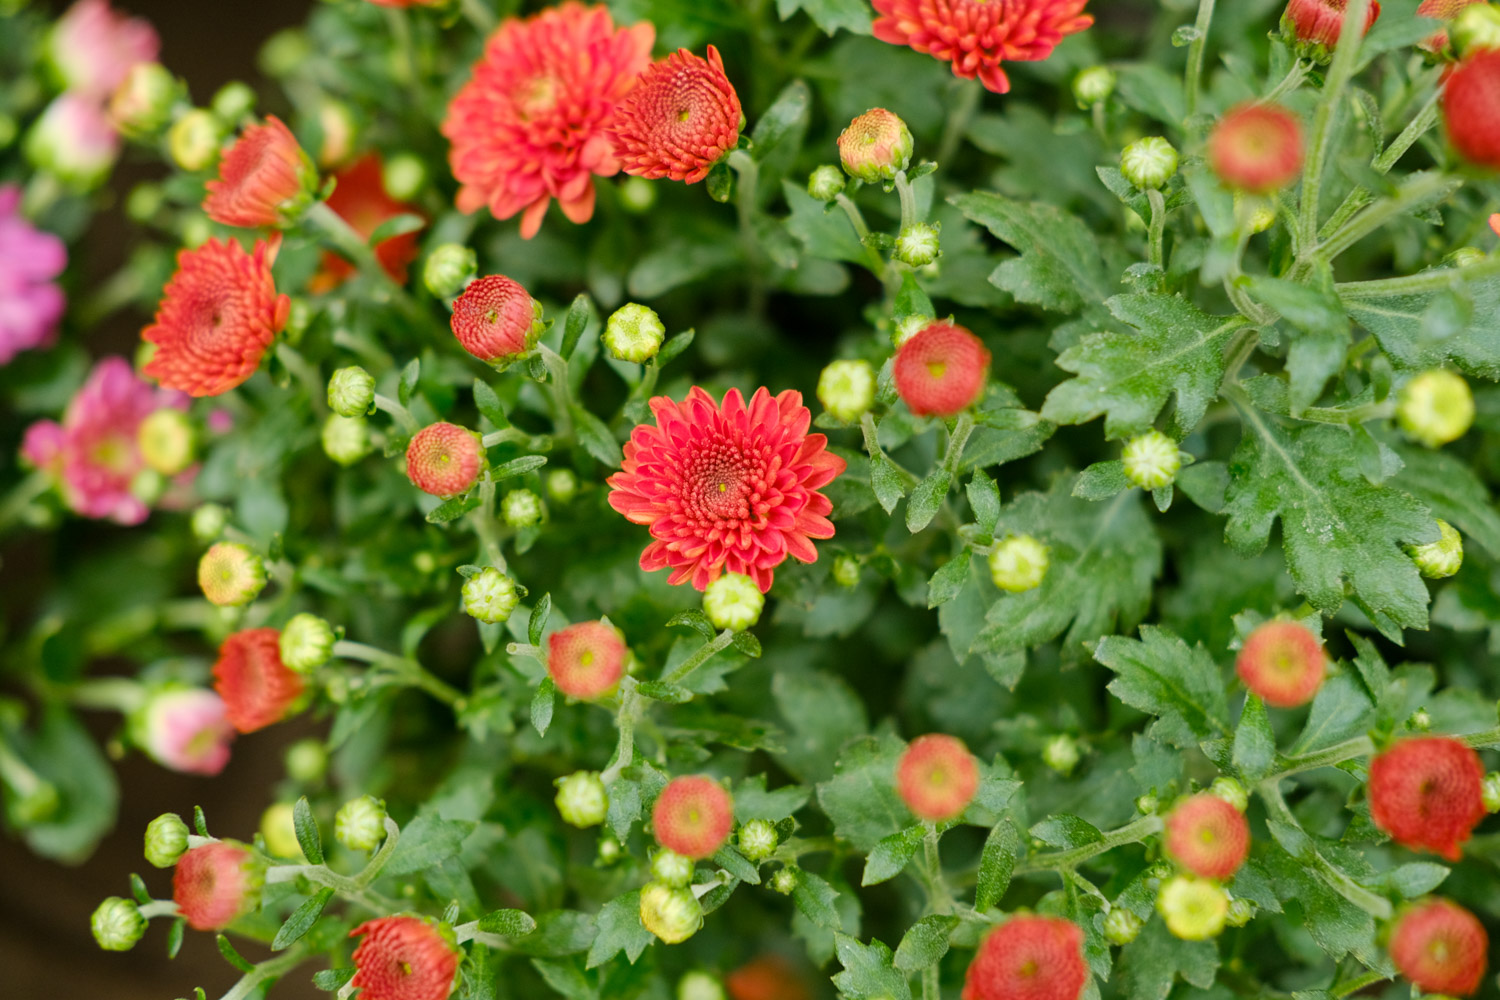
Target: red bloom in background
977,35
1208,836
257,688
403,958
1427,793
444,459
214,884
693,816
1257,147
1282,662
727,487
530,125
360,199
679,120
941,369
264,174
1469,101
769,977
1441,947
1320,21
586,660
1029,958
937,776
495,319
1441,10
217,316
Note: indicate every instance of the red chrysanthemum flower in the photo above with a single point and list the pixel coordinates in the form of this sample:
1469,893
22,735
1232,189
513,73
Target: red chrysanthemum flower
495,319
693,816
360,199
1320,21
769,977
444,459
530,125
217,317
941,369
1029,958
1469,101
1208,836
679,119
1441,947
403,958
1283,663
1495,223
937,776
586,660
1427,793
727,487
257,688
1257,147
214,884
977,35
264,178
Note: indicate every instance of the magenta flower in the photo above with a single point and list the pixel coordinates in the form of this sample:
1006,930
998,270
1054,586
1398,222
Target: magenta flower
187,730
30,303
93,457
94,46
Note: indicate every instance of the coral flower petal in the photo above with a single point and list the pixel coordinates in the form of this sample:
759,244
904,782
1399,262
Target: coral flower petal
679,120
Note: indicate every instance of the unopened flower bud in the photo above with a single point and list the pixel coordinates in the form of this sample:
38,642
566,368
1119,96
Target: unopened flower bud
634,333
671,868
404,176
306,642
230,574
208,522
1230,791
581,799
1149,163
166,840
637,195
360,823
278,827
1061,753
142,104
351,391
847,389
1464,256
1419,721
306,761
1151,460
232,102
785,881
908,327
166,439
1121,926
339,126
522,509
1018,563
1490,792
490,596
672,914
1441,558
73,140
875,146
845,570
1476,27
825,183
449,269
1254,213
1435,408
117,924
918,244
1195,909
733,601
562,485
1241,912
346,440
609,850
1093,85
193,140
1147,804
699,986
758,840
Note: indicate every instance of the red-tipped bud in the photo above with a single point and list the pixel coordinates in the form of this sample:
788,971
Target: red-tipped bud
1428,793
693,816
937,777
444,459
875,146
1257,148
264,180
403,958
1318,22
256,686
1283,663
1441,947
679,119
1208,836
1469,103
495,319
215,884
941,369
1029,958
586,660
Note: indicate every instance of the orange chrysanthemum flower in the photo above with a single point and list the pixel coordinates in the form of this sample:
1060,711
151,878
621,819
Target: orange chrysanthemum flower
1208,836
679,120
360,199
257,688
1318,22
217,316
977,35
1428,793
263,179
444,459
1283,663
495,319
727,487
530,125
215,884
1029,958
403,958
1441,947
586,660
937,776
693,816
941,369
1257,147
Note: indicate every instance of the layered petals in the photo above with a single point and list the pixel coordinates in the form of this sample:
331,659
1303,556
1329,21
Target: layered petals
679,120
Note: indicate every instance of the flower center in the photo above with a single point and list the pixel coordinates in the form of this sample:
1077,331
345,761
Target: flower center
936,368
538,96
721,485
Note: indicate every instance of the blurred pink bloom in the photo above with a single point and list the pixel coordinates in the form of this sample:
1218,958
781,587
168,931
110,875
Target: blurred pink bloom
74,139
92,456
94,46
221,421
30,260
186,730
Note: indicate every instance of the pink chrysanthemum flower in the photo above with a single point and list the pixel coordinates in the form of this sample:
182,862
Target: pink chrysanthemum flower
30,261
403,958
265,179
530,125
727,487
978,35
679,120
185,729
93,457
94,47
215,884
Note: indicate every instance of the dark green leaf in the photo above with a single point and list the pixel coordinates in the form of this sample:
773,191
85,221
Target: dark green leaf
814,898
888,483
1399,323
517,467
1165,677
1254,742
408,384
736,864
541,706
231,956
746,643
926,499
926,943
331,980
674,346
1060,267
1450,488
396,225
452,510
997,863
861,798
672,694
138,889
869,972
1416,878
911,300
306,827
427,841
573,326
507,923
1156,959
595,437
695,620
488,404
891,855
301,920
620,929
537,623
830,15
949,580
785,117
1066,832
984,499
174,937
1101,481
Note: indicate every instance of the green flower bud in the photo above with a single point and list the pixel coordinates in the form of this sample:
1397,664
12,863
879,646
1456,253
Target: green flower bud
1149,163
233,101
231,574
672,914
490,596
1440,558
562,485
1476,27
637,195
875,146
1093,85
166,840
918,244
208,522
581,799
351,391
278,827
758,840
339,127
846,570
360,823
699,986
144,201
306,761
449,269
117,924
634,333
1435,408
733,601
193,140
1147,804
404,176
522,509
166,439
1464,256
1018,563
609,850
1253,213
1419,721
1061,753
284,53
1194,909
306,643
141,105
825,183
195,231
147,486
1230,791
1241,912
847,389
1490,792
785,881
1121,926
346,440
671,868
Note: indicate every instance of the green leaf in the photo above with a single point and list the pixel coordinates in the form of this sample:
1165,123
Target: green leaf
746,643
537,623
814,898
736,864
1060,267
887,482
1416,878
408,384
233,957
997,862
577,320
911,300
1165,677
861,797
174,937
1066,832
1452,491
869,972
720,187
786,116
752,801
672,694
507,923
301,920
984,499
696,620
830,15
517,467
453,509
674,346
541,705
949,580
63,753
1128,377
1337,925
1156,959
822,714
138,889
306,828
892,854
330,980
925,943
1335,526
396,225
427,841
620,929
1101,481
1254,742
488,404
1319,348
595,437
926,499
1400,323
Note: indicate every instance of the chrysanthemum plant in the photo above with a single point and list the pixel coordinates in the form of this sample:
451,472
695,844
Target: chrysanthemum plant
1020,484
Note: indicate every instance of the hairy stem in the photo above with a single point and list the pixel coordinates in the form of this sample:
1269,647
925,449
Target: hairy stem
1322,134
1196,53
1131,833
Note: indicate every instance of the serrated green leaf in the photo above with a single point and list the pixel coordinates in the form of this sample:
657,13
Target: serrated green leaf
427,841
814,898
408,383
787,116
861,797
620,929
507,923
984,499
517,467
925,944
541,705
1452,491
306,829
595,437
926,499
830,15
949,580
1165,677
302,919
1060,267
997,863
888,483
488,404
1101,481
891,855
1337,925
1399,324
1156,960
869,971
453,509
1254,742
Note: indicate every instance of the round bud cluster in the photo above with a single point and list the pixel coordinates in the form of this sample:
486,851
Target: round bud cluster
404,176
1121,926
306,761
306,642
444,459
875,146
941,370
1441,558
167,440
758,841
918,244
847,389
1241,912
733,601
825,183
671,913
360,823
581,799
1441,947
522,509
845,570
1282,662
117,924
230,574
1490,792
142,104
586,660
1061,753
490,596
1435,408
637,195
634,333
693,816
449,268
351,391
1427,793
699,986
166,840
1093,85
937,777
208,521
1151,460
1018,563
1040,958
346,440
1207,836
785,881
1194,908
1149,163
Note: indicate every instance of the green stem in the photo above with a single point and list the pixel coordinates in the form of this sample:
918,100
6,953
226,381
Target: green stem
1158,226
700,657
967,102
625,745
272,968
409,671
307,374
21,496
908,201
514,435
876,263
480,16
1321,136
1417,191
940,899
1382,164
872,446
1131,833
485,525
1377,906
742,163
159,908
1196,53
399,413
1293,79
562,390
958,438
114,694
1425,281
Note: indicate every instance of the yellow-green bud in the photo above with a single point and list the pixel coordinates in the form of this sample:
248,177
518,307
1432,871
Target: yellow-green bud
144,201
346,440
230,574
142,104
1442,557
1241,912
1194,909
351,391
845,570
908,327
699,986
449,269
1476,27
1490,792
672,914
562,485
1464,256
918,244
733,601
785,881
490,596
847,389
1093,85
671,868
634,333
193,140
825,183
306,761
166,439
1121,926
1061,753
166,840
1435,408
404,176
208,522
284,53
522,509
637,195
1253,213
278,827
1018,563
758,840
609,850
233,101
339,126
1149,163
1147,804
306,642
1419,721
581,799
360,823
117,924
1230,791
875,146
1151,460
